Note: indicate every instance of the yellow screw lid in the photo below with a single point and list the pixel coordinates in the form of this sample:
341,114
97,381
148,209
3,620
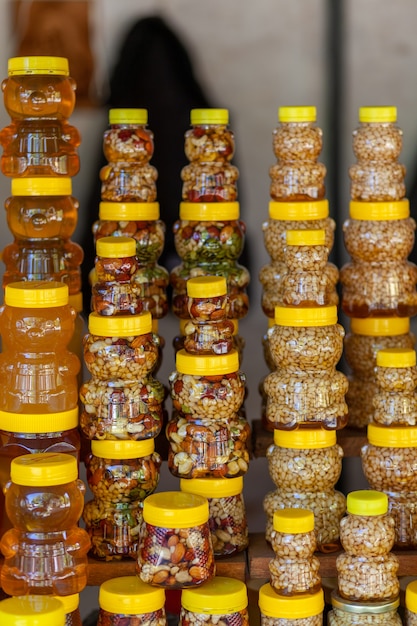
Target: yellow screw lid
209,116
411,596
305,237
218,596
41,186
378,114
120,325
71,603
206,286
122,448
38,65
293,521
379,211
299,211
115,247
129,211
36,294
128,116
396,437
367,502
297,114
380,326
32,611
76,301
306,316
39,422
289,607
43,469
396,357
209,211
128,595
212,487
207,365
304,438
175,509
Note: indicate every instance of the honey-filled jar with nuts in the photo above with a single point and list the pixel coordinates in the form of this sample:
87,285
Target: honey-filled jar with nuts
175,548
347,613
305,465
220,600
129,601
367,534
302,610
395,402
227,514
389,462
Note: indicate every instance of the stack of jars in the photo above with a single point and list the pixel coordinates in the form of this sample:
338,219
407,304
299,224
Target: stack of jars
379,283
209,236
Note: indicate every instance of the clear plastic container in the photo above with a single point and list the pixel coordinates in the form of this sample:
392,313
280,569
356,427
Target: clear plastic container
44,502
367,570
305,465
33,610
227,514
39,96
303,610
411,604
128,147
270,277
297,143
388,462
395,402
366,337
37,372
127,600
209,146
175,548
306,344
120,474
377,143
220,600
379,281
347,613
71,609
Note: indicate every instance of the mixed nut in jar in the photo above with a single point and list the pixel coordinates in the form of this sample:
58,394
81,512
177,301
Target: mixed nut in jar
302,610
367,569
395,402
175,548
305,465
347,613
120,474
221,601
128,601
389,462
227,514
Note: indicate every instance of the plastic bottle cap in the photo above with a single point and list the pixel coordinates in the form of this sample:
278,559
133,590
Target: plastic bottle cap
115,247
120,325
378,114
396,357
306,316
129,211
305,237
293,521
206,286
71,603
289,607
411,596
122,448
379,211
380,326
209,211
297,114
367,502
207,365
39,422
41,186
76,301
364,608
38,65
209,116
32,611
303,438
128,595
128,116
396,437
212,487
43,469
36,294
175,509
299,211
218,596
